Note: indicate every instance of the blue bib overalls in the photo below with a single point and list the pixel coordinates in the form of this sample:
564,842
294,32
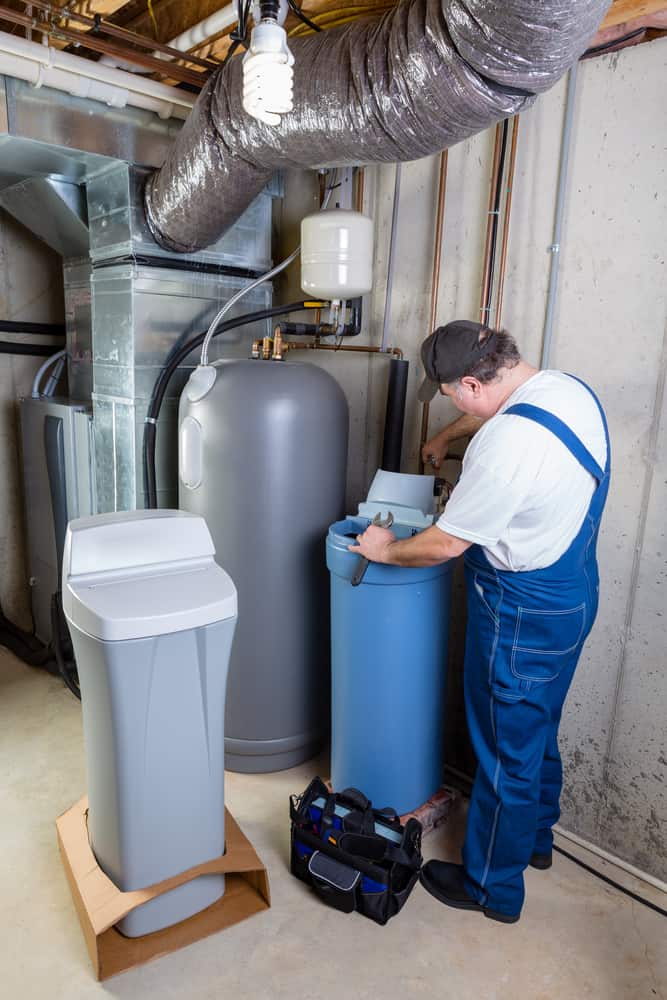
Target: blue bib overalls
524,636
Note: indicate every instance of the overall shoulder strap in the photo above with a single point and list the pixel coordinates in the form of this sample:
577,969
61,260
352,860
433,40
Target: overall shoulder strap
566,436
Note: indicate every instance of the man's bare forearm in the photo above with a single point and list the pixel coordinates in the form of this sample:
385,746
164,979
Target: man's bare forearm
465,426
428,548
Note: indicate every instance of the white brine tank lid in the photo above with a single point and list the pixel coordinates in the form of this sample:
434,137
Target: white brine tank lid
139,574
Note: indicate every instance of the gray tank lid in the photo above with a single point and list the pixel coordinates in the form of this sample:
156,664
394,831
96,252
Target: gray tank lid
138,574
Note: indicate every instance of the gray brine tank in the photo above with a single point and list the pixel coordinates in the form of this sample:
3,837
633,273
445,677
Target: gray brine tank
263,457
152,621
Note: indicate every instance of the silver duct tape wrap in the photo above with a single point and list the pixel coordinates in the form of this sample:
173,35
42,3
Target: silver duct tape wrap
427,75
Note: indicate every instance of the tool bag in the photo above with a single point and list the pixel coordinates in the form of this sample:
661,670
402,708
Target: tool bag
353,856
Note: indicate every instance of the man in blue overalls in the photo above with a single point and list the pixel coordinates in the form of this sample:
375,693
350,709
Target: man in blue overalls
526,512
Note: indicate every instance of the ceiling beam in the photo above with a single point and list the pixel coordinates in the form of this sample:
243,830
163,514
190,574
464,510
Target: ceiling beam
91,7
173,17
629,10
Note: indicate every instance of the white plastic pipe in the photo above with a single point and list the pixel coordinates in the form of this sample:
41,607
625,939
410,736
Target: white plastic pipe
43,66
193,37
198,33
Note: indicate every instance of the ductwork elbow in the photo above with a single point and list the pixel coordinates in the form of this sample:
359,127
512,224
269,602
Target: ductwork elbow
428,74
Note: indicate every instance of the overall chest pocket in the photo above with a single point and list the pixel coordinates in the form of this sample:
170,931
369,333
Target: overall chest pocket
543,641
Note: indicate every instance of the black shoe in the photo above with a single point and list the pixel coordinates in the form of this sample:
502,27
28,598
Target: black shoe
445,881
541,861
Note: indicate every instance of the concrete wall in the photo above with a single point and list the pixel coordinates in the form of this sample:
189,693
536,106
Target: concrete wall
609,329
31,289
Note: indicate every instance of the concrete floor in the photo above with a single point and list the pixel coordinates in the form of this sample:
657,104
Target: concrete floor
577,938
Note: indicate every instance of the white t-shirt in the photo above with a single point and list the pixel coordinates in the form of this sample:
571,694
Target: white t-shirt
522,495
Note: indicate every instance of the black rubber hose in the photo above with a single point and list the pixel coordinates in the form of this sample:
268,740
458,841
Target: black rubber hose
176,357
25,645
351,329
61,639
41,329
395,415
34,656
36,350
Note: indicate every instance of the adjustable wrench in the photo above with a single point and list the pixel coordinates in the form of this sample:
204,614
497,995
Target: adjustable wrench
362,562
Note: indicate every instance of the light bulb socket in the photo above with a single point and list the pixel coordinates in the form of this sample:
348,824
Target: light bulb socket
269,9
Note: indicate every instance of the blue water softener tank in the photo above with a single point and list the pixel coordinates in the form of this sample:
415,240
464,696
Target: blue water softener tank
389,655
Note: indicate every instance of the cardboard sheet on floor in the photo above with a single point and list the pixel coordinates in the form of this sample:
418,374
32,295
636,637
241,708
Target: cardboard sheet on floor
100,904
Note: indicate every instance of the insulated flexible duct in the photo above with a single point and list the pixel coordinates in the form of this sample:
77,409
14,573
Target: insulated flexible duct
427,75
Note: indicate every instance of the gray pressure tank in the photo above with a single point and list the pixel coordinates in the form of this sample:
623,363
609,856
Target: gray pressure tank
263,458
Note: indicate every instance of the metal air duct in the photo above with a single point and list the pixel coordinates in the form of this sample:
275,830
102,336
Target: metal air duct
427,75
54,210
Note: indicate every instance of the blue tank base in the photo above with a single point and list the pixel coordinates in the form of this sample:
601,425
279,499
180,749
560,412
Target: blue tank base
272,760
388,674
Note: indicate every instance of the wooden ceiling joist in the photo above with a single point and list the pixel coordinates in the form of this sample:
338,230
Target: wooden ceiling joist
166,19
629,10
175,16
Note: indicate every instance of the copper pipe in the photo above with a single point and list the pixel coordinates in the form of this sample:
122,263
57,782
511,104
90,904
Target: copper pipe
506,221
360,189
437,256
435,282
303,345
85,40
486,279
98,25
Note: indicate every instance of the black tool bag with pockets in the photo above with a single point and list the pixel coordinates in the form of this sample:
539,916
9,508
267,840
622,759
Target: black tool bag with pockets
354,857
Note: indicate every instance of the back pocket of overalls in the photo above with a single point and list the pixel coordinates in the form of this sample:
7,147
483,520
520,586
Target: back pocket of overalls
543,640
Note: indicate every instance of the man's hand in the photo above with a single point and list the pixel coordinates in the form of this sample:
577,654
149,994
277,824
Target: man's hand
374,543
435,451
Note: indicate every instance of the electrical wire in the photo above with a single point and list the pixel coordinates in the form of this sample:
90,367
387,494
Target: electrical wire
294,7
153,18
464,782
340,16
597,49
611,882
175,358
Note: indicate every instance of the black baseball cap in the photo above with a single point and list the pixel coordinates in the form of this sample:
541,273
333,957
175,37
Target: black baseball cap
450,352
